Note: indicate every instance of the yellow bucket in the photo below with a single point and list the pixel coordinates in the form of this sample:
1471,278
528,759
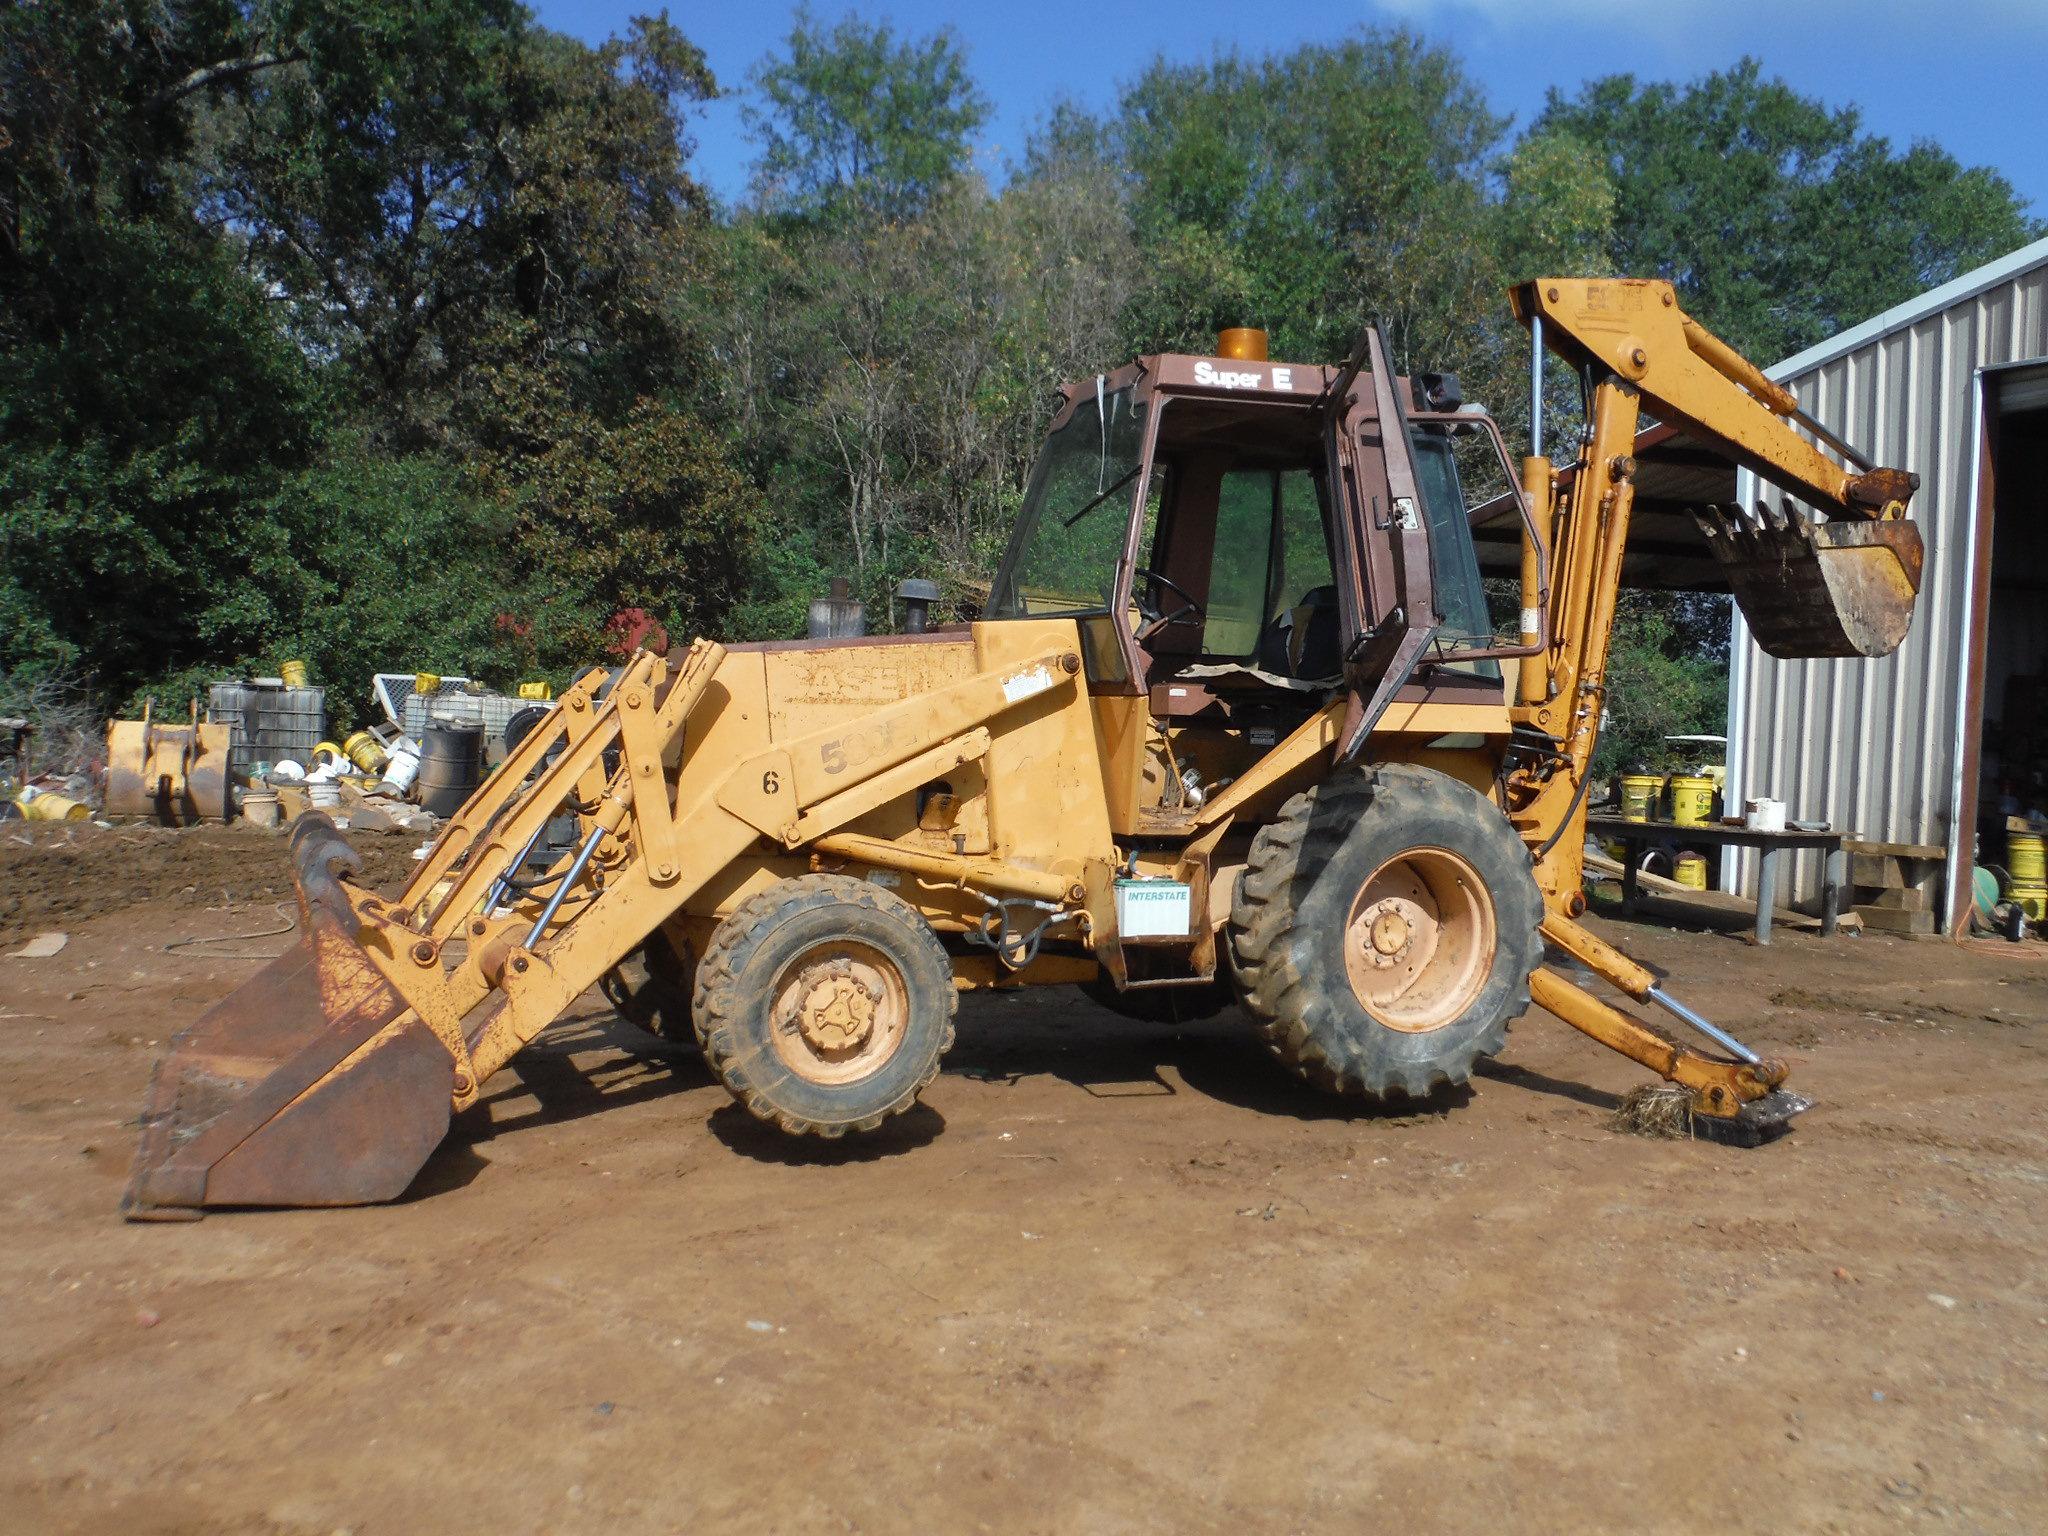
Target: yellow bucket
426,682
2023,857
2033,901
366,752
1690,870
43,805
293,673
1692,799
1639,795
538,693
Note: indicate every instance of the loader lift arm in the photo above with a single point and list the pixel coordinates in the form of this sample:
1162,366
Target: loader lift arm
1840,587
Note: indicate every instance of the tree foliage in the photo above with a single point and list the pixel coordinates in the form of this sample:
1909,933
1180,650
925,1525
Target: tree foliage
851,119
1779,218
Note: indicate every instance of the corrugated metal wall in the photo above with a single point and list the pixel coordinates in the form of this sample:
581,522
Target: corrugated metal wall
1870,745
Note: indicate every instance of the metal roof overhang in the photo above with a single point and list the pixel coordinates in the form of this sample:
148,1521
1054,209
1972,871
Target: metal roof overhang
1666,550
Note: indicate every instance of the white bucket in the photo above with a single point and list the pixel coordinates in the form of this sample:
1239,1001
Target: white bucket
323,794
403,768
260,809
1764,814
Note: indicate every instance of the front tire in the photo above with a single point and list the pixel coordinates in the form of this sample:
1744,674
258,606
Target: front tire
1384,931
824,1004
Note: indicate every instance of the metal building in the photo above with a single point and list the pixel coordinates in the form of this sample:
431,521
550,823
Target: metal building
1939,741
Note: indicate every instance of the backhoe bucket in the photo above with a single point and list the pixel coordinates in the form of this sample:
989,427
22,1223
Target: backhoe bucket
1819,589
311,1084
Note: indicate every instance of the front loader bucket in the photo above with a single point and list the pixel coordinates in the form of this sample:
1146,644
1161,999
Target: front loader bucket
311,1084
1819,589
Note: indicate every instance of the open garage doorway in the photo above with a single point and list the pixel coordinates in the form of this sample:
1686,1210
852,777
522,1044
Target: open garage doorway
2005,756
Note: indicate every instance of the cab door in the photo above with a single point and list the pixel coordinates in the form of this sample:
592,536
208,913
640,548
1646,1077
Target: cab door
1386,600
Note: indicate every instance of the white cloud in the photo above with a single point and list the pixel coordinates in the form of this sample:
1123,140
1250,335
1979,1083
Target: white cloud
1767,19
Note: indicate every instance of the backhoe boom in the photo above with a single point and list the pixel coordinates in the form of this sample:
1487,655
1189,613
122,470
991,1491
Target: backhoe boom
1840,587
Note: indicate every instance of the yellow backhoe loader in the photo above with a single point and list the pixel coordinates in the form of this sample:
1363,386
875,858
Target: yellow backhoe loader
1233,725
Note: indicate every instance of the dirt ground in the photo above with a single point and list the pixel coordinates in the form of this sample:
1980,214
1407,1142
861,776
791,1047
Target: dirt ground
1110,1278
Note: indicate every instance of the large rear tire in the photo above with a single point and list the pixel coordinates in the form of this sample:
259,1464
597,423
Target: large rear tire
824,1004
1384,931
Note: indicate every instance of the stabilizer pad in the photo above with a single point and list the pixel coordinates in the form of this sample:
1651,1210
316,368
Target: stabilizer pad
1759,1121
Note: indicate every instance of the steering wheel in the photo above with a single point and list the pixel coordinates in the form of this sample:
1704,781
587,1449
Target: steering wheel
1156,618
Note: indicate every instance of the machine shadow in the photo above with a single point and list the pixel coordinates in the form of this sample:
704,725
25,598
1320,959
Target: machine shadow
1539,1082
1058,1032
545,1085
1002,1039
918,1126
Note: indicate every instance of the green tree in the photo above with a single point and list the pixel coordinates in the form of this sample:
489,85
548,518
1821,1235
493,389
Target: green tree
1345,182
852,118
148,406
1779,218
1667,675
1557,209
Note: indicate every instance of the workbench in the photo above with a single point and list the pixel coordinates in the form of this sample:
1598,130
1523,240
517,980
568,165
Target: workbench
1637,836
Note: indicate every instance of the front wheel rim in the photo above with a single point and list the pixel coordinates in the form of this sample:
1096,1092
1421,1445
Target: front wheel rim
838,1012
1419,940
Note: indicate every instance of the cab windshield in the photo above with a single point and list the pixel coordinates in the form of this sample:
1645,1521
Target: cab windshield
1070,533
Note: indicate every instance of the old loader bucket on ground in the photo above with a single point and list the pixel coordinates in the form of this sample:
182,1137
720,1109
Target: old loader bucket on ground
312,1084
1819,589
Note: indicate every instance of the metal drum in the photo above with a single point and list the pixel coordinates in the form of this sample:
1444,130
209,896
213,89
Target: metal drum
451,765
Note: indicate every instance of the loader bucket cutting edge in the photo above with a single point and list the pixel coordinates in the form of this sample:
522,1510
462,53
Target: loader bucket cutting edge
310,1084
1820,589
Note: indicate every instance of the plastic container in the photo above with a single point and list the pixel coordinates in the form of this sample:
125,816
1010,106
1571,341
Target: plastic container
293,674
267,721
2025,858
1692,799
260,808
48,805
1639,795
403,768
1764,815
1690,871
366,752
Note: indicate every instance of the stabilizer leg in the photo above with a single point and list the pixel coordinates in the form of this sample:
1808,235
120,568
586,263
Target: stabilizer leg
1740,1101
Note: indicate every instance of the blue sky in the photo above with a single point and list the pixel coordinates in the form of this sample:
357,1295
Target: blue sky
1966,73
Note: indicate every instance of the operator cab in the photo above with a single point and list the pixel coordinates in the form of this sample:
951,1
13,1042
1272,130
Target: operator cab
1237,546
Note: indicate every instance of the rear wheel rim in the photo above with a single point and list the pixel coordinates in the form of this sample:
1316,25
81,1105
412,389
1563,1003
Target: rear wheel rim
1419,940
839,1012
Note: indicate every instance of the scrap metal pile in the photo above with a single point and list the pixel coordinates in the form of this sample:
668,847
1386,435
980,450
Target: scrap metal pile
260,750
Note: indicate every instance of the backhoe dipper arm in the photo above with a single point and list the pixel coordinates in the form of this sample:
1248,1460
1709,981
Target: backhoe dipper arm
1841,587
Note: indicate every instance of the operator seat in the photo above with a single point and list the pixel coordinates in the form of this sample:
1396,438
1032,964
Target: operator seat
1301,642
